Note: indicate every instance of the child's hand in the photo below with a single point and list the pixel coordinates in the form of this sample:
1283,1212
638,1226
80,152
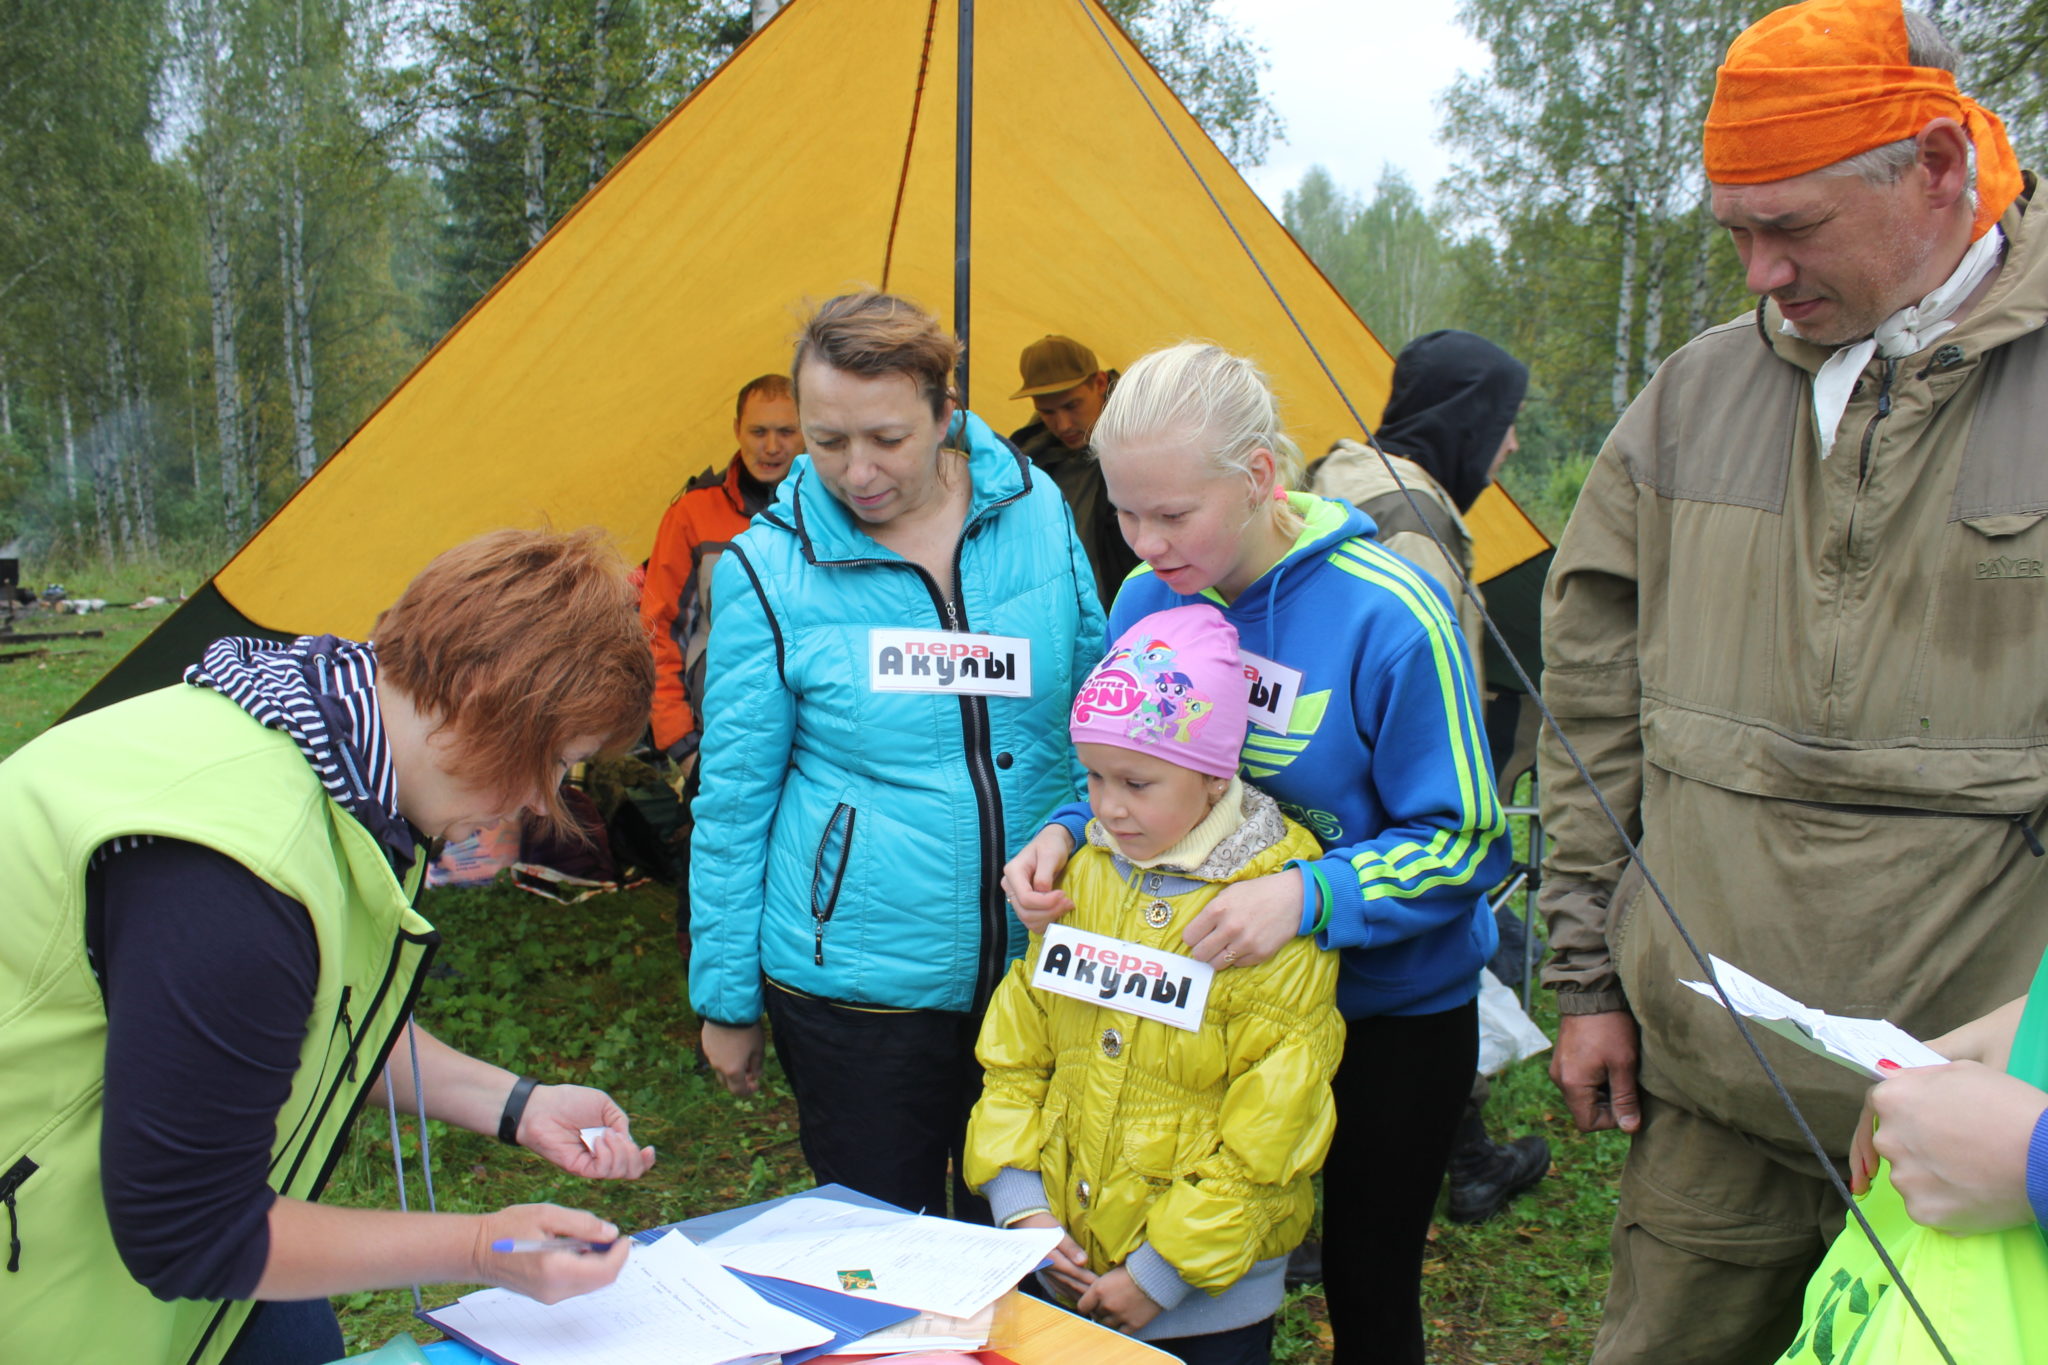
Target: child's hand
1069,1263
1116,1301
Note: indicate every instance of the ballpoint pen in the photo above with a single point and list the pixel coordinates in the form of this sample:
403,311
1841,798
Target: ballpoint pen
548,1244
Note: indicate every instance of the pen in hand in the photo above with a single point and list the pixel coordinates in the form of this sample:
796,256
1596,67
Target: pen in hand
549,1244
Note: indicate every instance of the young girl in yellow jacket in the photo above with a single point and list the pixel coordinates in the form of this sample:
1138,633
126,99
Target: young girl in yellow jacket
1176,1159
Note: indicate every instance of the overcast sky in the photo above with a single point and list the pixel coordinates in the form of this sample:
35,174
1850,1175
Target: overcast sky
1357,86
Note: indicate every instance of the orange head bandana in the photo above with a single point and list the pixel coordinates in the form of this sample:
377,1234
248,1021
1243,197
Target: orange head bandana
1812,84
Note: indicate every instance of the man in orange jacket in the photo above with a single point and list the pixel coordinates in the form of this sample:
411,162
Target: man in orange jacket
675,601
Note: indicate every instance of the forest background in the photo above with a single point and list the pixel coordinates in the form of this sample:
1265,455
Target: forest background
232,226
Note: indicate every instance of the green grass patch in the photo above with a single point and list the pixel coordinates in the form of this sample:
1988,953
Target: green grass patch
49,675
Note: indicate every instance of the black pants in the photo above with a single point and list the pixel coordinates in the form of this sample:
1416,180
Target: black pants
1400,1092
1248,1345
882,1097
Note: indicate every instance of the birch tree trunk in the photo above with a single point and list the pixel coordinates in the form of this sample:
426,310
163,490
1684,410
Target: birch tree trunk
535,171
214,188
764,10
141,439
6,401
1628,208
70,462
111,433
1706,234
99,513
600,89
291,250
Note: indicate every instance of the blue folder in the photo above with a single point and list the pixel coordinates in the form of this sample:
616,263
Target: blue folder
847,1316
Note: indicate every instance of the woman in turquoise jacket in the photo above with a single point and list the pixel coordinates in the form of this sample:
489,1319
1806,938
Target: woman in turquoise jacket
894,647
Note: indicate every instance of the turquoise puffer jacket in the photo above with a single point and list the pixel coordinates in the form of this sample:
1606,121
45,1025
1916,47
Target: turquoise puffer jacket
850,841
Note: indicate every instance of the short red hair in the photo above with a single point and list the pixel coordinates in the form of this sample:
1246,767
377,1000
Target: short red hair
519,642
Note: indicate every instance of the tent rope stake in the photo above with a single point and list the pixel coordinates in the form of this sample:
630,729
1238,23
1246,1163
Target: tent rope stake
1529,687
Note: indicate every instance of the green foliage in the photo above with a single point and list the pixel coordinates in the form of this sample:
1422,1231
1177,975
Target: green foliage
1211,66
2004,44
1388,257
537,99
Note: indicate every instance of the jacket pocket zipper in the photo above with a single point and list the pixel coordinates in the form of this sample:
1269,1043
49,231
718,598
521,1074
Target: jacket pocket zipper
2023,822
822,905
9,1183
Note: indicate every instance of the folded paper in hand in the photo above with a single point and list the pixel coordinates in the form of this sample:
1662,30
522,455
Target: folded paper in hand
1859,1044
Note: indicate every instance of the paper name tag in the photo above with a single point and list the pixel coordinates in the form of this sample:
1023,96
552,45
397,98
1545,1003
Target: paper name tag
948,661
1148,982
1272,689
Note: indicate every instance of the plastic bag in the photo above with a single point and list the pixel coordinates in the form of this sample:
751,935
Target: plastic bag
1506,1034
1986,1294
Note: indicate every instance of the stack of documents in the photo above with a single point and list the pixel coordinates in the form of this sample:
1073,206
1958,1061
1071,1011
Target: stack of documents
672,1304
802,1277
1874,1047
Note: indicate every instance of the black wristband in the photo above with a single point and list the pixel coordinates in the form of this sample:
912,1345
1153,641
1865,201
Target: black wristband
515,1107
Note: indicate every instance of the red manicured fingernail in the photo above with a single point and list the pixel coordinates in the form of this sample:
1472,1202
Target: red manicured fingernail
1887,1064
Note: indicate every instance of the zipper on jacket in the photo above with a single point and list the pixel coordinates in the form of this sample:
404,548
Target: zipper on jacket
821,913
348,1031
1884,410
9,1183
988,798
988,806
412,995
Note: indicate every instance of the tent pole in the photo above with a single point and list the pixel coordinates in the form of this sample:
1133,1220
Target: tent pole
963,186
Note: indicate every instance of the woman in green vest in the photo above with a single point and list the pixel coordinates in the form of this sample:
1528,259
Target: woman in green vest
208,950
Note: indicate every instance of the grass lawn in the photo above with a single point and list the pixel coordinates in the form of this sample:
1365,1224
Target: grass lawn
595,993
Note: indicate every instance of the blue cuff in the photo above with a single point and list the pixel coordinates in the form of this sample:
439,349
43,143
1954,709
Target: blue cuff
1347,920
1155,1275
1074,820
1012,1191
2037,1170
1311,902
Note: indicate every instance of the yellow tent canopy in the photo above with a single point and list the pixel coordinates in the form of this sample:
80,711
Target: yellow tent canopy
599,374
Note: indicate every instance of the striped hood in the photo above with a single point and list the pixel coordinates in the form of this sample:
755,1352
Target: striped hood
322,691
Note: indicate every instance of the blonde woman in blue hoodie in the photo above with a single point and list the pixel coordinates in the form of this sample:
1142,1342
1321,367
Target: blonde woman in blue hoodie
1365,726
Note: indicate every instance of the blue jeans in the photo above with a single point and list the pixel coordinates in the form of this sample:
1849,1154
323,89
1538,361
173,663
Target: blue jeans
294,1332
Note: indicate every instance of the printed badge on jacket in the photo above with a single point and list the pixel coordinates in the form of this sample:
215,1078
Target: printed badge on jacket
948,661
1151,983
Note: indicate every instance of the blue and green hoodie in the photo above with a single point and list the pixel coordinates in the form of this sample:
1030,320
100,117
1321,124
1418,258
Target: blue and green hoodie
1384,757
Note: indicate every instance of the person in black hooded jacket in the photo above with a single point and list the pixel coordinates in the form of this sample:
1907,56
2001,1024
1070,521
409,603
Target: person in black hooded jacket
1448,427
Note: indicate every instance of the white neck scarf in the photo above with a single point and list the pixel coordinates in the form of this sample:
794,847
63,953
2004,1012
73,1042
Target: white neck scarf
1911,329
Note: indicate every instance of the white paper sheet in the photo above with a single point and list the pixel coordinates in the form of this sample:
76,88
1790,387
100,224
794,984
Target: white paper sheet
926,1332
934,1264
1859,1044
671,1305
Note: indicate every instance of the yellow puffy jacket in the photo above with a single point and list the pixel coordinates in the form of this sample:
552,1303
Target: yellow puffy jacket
1201,1143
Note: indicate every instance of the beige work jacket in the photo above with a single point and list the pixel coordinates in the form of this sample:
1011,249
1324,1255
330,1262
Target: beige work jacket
1816,691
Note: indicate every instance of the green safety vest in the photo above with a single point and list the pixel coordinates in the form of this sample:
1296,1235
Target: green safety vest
186,764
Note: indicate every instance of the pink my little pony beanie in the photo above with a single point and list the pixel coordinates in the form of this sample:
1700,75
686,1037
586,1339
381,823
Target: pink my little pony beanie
1173,686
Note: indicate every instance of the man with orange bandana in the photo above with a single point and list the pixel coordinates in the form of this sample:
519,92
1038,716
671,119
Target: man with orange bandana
1797,630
